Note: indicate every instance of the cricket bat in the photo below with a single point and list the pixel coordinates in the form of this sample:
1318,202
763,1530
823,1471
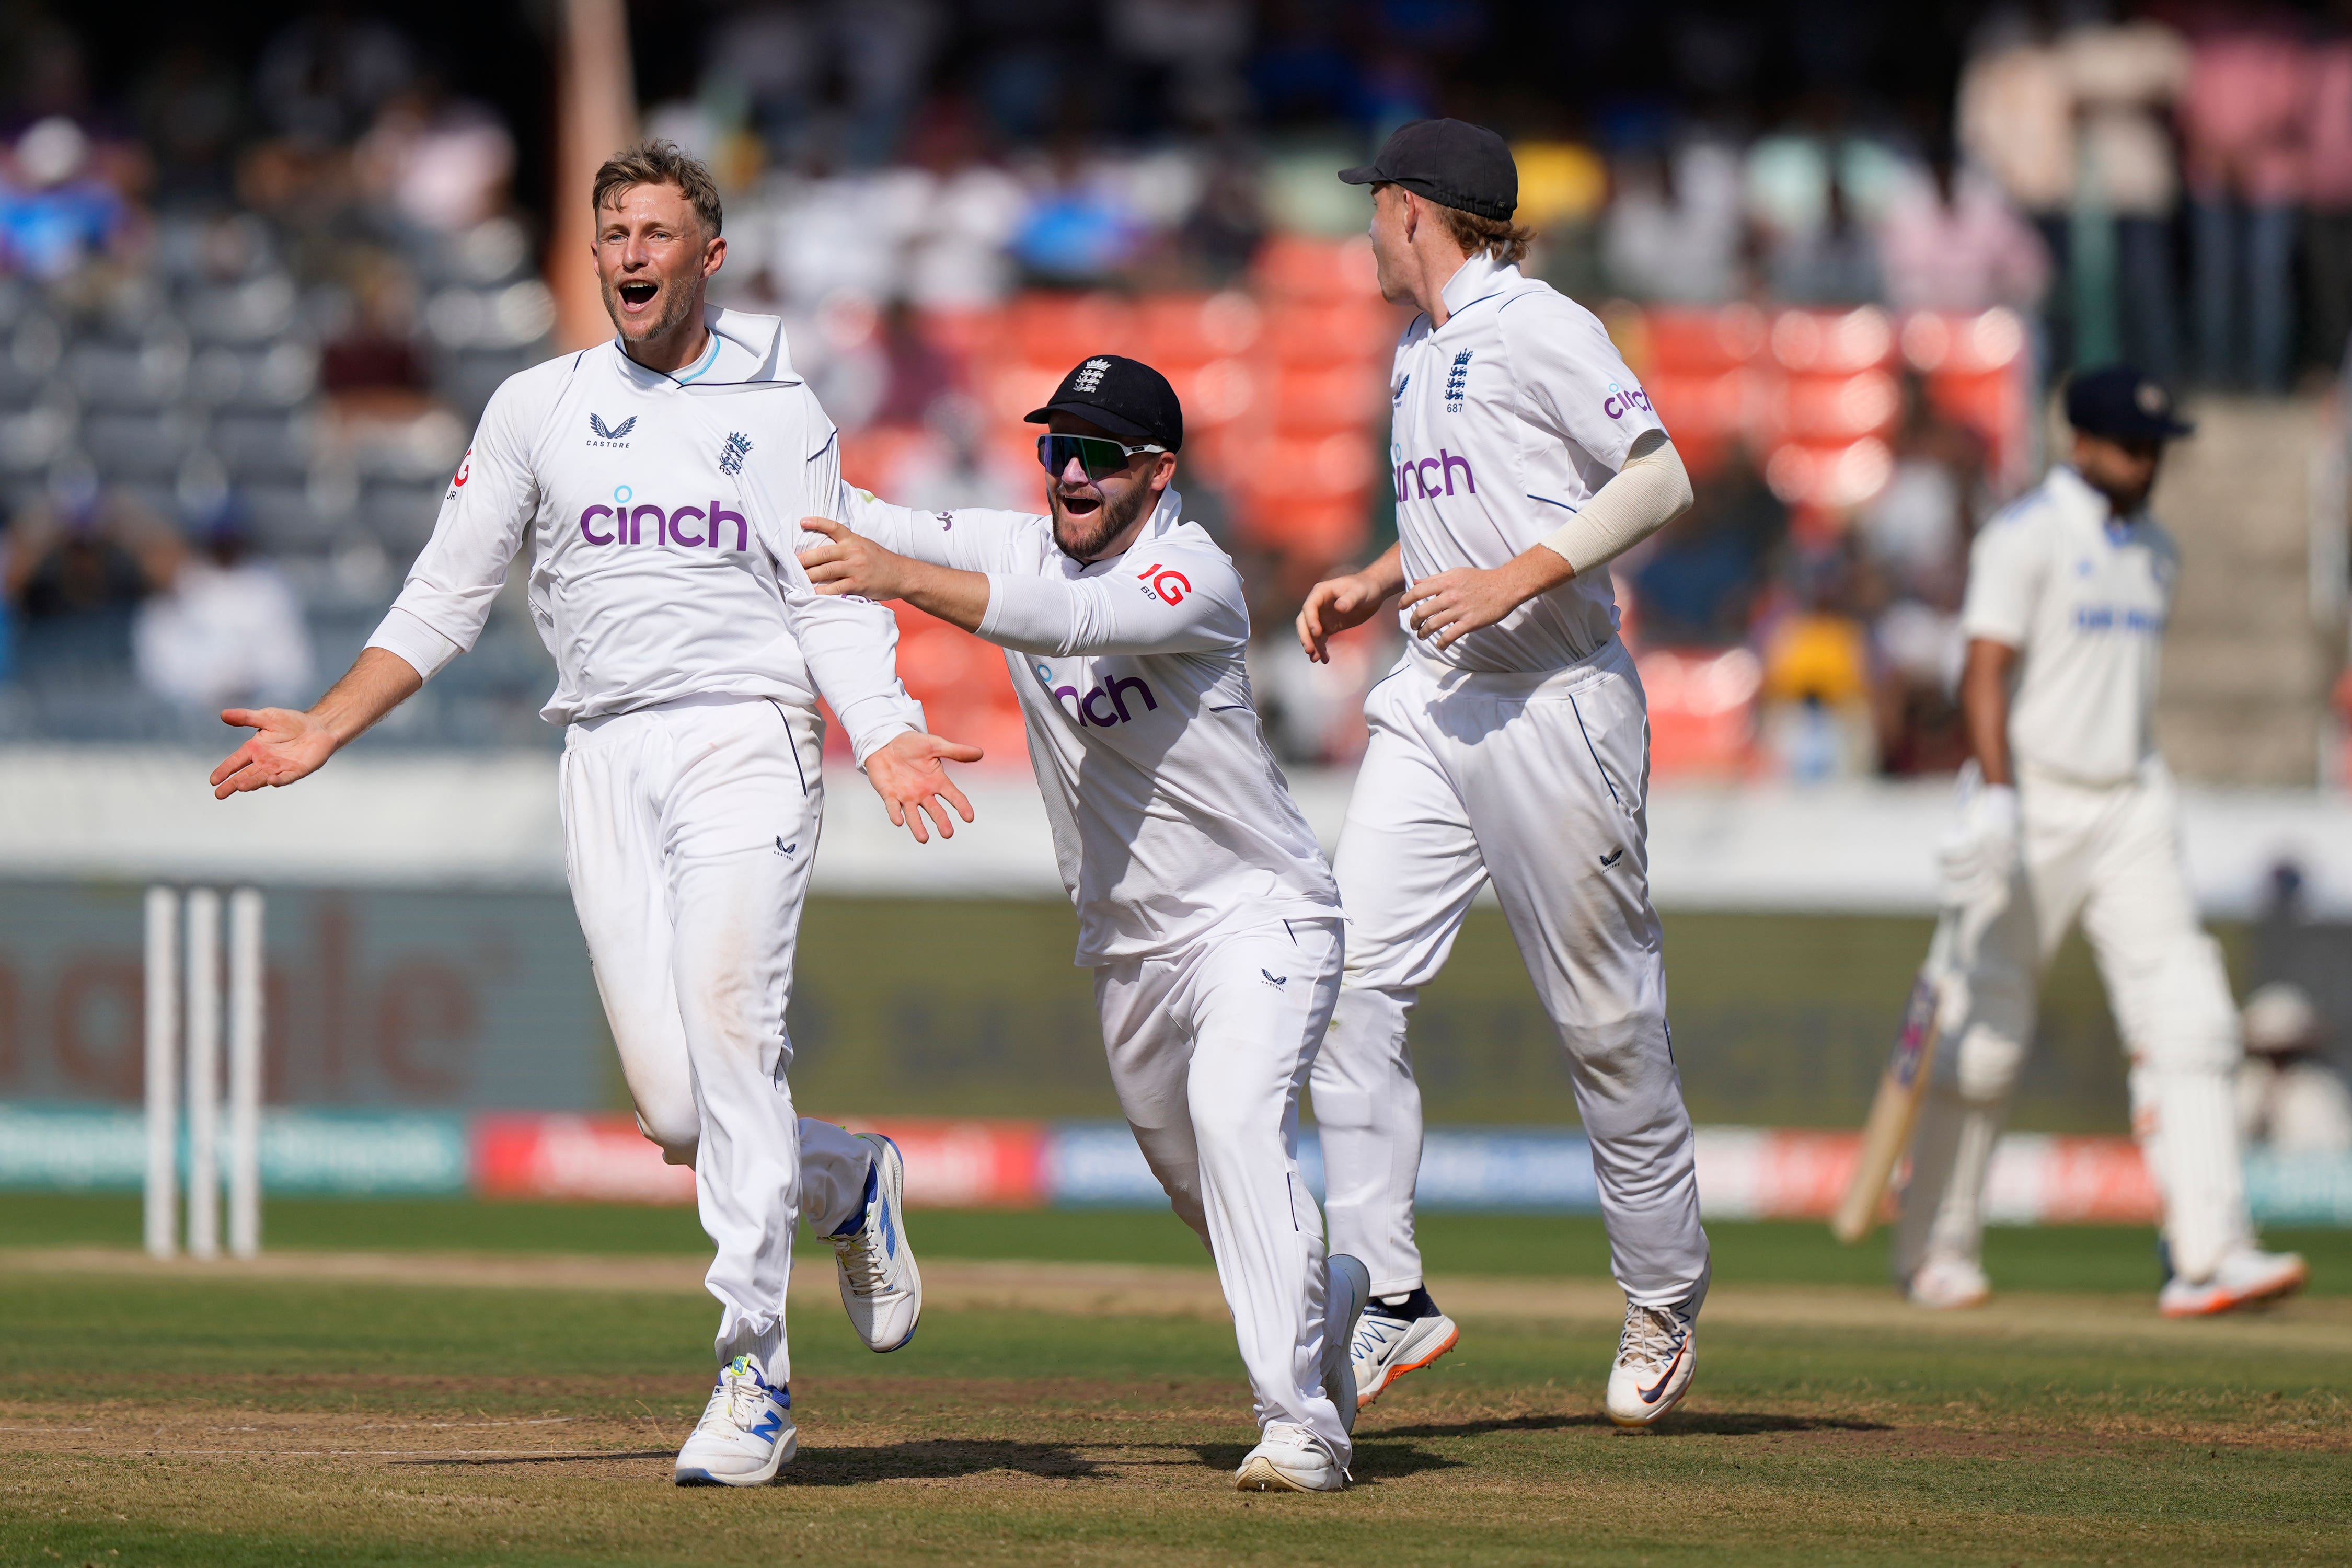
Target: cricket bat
1896,1111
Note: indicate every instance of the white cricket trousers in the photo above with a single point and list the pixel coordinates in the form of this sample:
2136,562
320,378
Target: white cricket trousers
689,828
1208,1051
2110,853
1538,782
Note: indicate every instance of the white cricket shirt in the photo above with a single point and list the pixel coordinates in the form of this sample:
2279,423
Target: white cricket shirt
1508,418
664,517
2083,596
1170,817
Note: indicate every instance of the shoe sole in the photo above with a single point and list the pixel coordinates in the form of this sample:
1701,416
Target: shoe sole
2277,1289
1339,1366
1259,1474
1453,1337
1961,1305
784,1451
894,1180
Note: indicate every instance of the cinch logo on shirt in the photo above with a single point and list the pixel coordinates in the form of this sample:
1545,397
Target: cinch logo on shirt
1415,472
686,526
1620,402
2113,618
1115,695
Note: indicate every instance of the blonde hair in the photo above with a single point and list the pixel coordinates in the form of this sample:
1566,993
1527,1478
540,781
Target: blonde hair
1501,238
653,163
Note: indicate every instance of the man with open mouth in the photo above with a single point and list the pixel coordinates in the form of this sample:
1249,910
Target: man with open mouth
1204,908
657,479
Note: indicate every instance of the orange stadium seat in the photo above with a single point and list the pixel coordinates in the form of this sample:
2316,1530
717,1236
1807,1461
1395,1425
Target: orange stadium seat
1829,477
1341,395
1174,329
1702,710
1214,393
1302,267
1699,342
1325,531
1834,408
1063,329
1944,343
1353,330
1826,341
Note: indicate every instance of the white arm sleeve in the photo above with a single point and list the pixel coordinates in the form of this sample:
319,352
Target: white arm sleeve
1650,491
1155,600
969,539
492,500
851,644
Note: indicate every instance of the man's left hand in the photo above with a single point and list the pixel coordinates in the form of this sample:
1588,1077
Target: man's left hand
1447,607
851,563
908,776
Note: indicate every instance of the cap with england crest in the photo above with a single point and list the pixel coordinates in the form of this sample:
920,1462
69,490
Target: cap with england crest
1124,397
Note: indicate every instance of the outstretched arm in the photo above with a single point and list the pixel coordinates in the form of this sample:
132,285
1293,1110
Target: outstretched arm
287,744
848,562
1337,603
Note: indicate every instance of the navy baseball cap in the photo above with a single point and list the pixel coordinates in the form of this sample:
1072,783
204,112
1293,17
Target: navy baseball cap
2119,402
1452,162
1125,397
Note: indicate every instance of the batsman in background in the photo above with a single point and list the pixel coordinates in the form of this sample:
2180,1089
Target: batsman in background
658,480
1510,745
2068,810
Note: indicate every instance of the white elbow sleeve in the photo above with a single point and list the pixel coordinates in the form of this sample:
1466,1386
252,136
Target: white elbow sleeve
405,633
1651,490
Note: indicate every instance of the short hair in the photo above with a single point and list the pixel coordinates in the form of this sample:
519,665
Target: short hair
655,162
1501,238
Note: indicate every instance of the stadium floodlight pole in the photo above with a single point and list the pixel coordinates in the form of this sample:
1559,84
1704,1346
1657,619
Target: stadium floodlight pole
204,1073
245,1073
162,1070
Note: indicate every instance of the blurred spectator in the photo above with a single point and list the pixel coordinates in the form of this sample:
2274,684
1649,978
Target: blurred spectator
1831,262
78,563
1674,231
1950,241
2327,219
53,215
1698,582
2244,117
322,78
2124,77
375,353
441,164
1180,61
2015,118
189,108
228,629
2290,1096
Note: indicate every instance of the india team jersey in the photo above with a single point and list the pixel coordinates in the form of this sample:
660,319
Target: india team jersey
1508,418
2083,596
663,513
1170,817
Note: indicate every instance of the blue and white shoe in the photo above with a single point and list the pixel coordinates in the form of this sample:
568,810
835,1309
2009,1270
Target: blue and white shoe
1398,1335
880,1286
1655,1356
746,1432
1347,1286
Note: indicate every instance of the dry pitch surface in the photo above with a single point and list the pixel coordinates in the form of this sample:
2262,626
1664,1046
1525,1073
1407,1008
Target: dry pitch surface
480,1408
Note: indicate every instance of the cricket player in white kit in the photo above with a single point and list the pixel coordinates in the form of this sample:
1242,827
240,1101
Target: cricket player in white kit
659,480
1510,746
2069,811
1204,907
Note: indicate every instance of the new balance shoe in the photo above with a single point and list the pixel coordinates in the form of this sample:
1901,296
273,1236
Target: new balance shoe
1945,1283
1398,1334
880,1286
745,1434
1347,1286
2246,1278
1655,1355
1290,1459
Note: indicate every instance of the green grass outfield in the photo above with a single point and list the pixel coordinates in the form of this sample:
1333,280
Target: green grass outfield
212,1416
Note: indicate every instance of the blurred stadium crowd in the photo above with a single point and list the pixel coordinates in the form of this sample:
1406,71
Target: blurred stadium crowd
252,298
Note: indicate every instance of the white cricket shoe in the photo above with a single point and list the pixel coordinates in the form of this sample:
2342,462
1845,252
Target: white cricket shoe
1945,1283
1290,1459
1655,1356
1393,1338
880,1285
2246,1278
745,1434
1347,1286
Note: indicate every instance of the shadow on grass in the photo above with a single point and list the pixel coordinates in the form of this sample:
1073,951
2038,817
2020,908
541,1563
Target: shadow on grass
1684,1423
939,1459
495,1460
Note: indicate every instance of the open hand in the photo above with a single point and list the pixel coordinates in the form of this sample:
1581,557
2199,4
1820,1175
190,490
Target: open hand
851,563
1333,605
907,774
285,745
